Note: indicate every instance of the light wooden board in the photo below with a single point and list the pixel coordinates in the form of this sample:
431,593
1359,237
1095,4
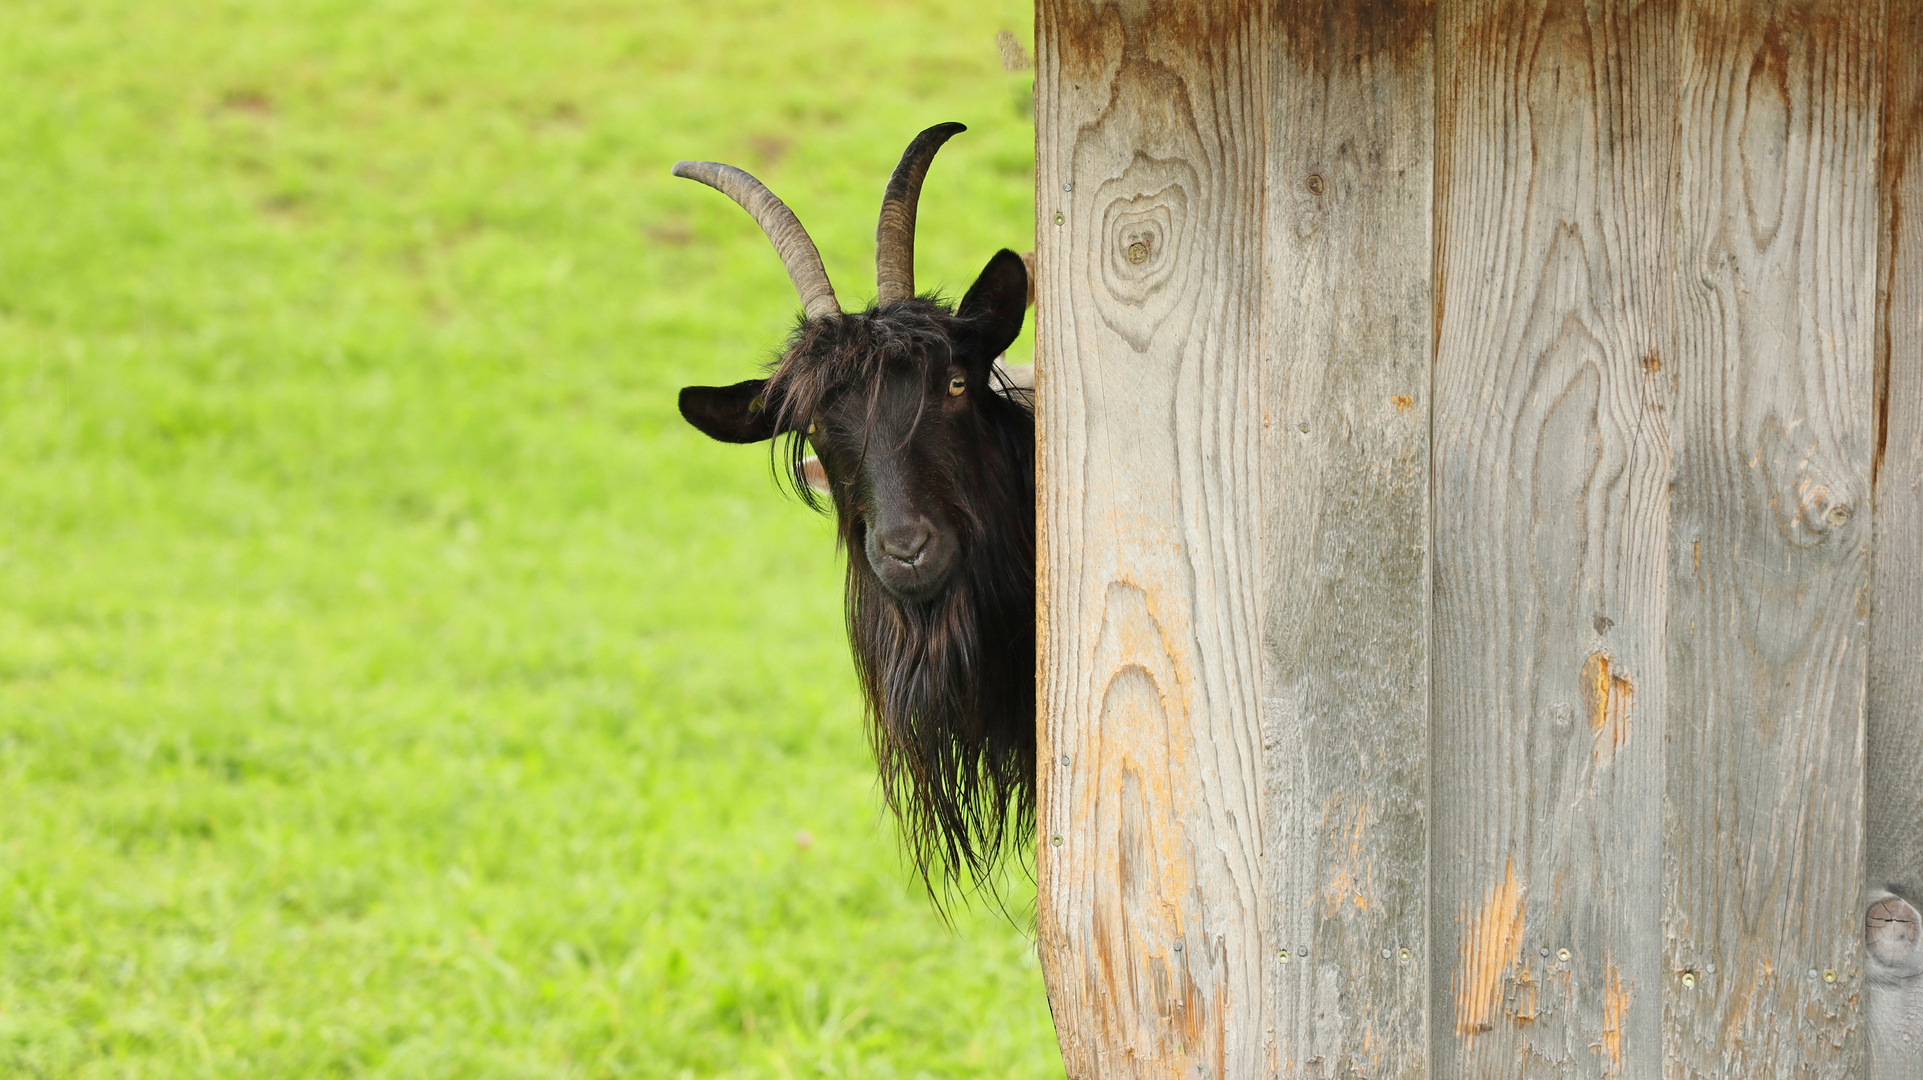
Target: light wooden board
1775,301
1544,651
1894,796
1893,788
1345,407
1150,144
1555,147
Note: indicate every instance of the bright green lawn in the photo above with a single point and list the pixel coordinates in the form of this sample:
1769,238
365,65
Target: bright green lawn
390,684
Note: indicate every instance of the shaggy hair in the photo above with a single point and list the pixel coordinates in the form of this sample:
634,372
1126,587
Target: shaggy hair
949,681
919,448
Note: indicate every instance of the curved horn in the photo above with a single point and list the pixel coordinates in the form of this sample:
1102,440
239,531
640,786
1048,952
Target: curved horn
784,230
895,233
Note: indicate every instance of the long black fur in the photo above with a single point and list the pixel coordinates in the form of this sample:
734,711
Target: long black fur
949,681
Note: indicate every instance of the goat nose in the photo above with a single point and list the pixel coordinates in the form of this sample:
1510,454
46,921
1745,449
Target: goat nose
906,543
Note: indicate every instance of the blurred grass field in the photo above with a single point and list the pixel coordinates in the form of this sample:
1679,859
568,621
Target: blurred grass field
390,684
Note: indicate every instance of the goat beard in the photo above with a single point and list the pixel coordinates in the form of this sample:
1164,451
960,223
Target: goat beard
949,685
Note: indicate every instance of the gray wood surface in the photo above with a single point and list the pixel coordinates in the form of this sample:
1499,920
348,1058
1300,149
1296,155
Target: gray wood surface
1775,301
1555,153
1893,788
1459,426
1894,797
1345,481
1150,147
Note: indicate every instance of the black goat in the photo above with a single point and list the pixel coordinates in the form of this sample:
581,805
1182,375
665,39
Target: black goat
932,477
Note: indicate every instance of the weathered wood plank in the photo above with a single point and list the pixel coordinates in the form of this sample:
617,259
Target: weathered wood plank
1345,409
1150,155
1775,300
1893,787
1894,800
1555,146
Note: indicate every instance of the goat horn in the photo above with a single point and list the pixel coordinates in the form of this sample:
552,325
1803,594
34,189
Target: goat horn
895,233
784,231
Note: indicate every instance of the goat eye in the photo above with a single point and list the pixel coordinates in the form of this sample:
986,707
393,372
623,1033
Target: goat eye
956,385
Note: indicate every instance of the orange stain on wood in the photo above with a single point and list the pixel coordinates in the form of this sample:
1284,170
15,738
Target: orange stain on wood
1341,885
1615,1008
1403,402
1525,996
1351,881
1491,947
1606,698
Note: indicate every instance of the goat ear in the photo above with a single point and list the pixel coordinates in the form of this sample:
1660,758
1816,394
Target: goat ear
730,414
993,306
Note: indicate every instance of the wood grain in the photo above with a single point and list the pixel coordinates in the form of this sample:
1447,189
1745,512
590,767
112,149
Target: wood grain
1555,144
1150,152
1893,801
1345,408
1459,426
1775,302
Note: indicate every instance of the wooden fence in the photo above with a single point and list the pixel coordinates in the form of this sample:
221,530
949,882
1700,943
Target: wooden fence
1482,532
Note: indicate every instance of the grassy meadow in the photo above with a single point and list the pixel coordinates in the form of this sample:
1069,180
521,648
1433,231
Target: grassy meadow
390,684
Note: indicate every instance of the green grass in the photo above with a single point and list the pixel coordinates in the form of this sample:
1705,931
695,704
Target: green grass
390,684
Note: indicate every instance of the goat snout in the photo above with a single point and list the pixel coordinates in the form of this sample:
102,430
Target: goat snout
912,557
905,543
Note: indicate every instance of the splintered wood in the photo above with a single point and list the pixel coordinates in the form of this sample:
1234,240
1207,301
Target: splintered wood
1481,517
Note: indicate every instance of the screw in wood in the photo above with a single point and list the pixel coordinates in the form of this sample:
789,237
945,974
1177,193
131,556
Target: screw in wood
1385,954
1710,967
1068,187
1829,976
1055,840
1403,955
1812,973
1138,252
1562,955
1178,946
1689,978
1058,217
1064,761
1283,956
